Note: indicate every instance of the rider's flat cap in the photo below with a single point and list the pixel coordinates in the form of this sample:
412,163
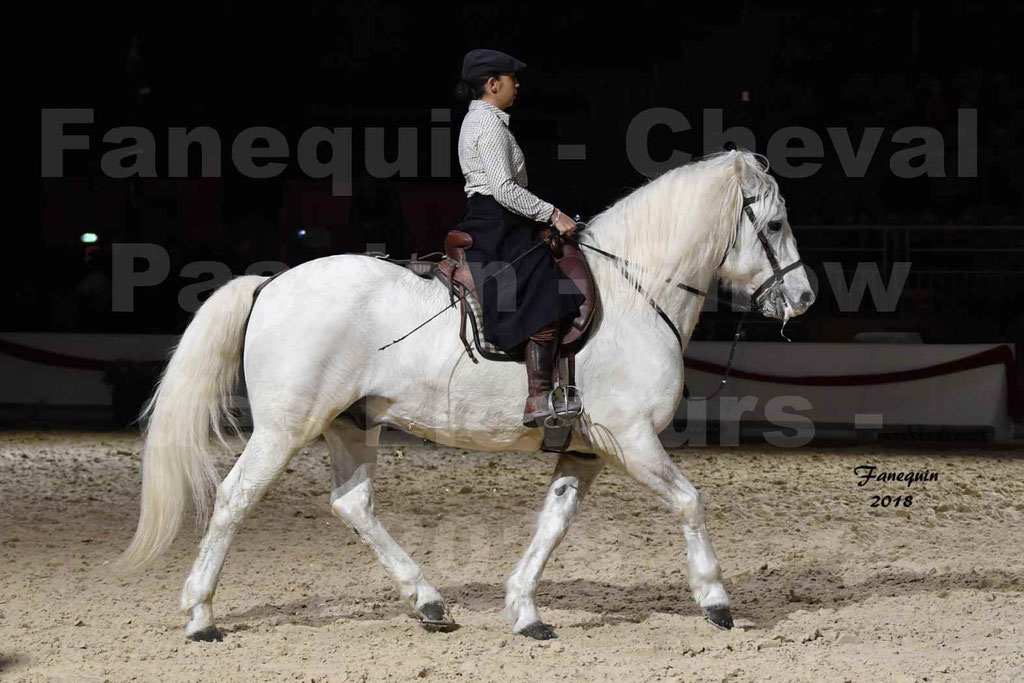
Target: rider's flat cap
479,63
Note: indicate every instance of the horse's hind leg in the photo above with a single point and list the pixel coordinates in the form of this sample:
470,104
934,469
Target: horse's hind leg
353,461
264,458
570,482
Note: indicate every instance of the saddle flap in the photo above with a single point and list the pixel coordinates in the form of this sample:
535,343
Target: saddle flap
574,266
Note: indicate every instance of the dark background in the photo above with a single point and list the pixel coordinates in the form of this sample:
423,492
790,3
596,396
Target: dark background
231,65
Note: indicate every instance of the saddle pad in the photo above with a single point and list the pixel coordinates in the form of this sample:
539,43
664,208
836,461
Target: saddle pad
476,321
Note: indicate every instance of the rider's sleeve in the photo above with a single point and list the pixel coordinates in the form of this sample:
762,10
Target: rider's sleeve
495,147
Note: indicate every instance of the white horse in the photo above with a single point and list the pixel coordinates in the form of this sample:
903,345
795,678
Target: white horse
311,351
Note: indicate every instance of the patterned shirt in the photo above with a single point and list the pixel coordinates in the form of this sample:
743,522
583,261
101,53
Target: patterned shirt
494,165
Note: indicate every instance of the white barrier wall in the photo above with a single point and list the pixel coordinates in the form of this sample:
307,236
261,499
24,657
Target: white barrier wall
781,384
39,368
851,386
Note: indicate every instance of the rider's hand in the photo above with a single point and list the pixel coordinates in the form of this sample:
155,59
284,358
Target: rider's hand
565,225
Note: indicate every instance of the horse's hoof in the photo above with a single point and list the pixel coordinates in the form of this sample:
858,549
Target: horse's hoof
436,618
207,635
719,617
538,630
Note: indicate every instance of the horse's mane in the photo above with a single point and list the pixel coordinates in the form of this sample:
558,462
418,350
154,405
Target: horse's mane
676,226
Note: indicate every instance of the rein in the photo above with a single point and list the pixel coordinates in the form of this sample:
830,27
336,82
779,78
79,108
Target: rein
664,316
768,285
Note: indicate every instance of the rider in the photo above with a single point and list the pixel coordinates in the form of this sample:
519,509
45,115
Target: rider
504,219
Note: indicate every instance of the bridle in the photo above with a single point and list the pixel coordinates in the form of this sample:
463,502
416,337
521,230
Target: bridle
766,287
778,273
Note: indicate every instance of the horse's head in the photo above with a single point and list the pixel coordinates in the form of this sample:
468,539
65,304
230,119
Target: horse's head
763,261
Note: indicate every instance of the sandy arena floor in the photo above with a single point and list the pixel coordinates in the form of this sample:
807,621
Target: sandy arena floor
824,587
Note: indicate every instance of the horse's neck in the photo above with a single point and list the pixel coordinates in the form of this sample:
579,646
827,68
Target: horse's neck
681,306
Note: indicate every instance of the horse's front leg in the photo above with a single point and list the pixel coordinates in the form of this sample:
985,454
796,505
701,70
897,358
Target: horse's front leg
645,459
570,482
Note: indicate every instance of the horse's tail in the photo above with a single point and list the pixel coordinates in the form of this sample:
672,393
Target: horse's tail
191,400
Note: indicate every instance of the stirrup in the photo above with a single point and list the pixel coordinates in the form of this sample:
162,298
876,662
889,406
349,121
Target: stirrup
554,419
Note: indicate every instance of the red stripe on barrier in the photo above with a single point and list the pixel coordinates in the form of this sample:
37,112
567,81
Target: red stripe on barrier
62,360
999,355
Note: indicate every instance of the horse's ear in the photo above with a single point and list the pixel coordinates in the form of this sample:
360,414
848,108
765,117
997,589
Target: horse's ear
739,164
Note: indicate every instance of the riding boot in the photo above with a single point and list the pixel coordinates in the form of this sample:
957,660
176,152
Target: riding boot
540,353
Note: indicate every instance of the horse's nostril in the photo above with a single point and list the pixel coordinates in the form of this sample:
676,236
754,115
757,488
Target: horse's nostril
807,297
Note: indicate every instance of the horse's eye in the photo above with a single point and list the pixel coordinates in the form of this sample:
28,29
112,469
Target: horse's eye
775,226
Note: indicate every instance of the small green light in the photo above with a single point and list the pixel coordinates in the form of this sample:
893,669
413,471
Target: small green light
89,238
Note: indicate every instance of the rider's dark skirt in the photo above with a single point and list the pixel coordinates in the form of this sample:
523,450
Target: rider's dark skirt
525,296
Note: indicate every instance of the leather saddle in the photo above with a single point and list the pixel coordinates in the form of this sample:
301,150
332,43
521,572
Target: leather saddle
454,272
